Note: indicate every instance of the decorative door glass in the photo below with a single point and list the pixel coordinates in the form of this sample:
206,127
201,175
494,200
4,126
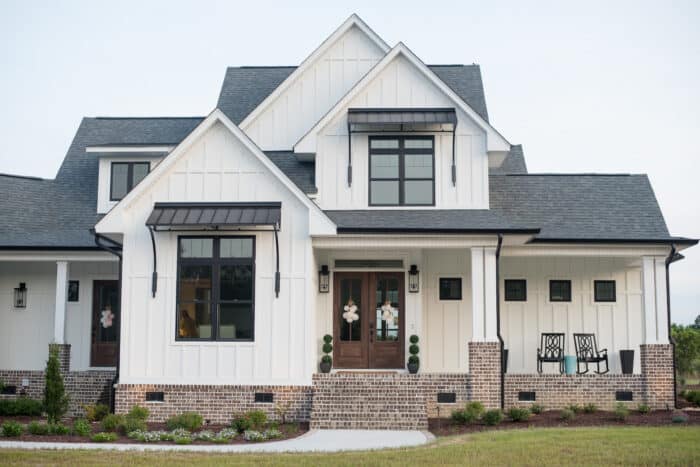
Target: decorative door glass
350,307
388,314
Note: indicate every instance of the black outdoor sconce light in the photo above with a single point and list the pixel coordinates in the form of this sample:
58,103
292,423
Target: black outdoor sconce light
413,282
324,277
21,295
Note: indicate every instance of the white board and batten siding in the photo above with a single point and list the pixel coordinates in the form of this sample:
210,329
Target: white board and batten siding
400,84
217,167
617,325
280,125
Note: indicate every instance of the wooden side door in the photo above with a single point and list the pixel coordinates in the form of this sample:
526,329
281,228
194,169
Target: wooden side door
350,335
386,322
105,323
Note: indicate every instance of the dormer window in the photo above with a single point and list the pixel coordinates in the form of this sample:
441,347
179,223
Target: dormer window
402,171
125,176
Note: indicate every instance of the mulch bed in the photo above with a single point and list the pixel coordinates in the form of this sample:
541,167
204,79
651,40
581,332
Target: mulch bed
290,430
552,418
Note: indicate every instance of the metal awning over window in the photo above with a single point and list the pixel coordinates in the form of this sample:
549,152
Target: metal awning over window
188,217
378,120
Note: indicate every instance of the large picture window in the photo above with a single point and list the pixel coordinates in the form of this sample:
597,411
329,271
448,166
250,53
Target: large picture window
125,176
216,288
401,171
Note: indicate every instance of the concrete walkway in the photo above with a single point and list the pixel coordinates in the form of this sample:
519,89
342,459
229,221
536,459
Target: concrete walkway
313,441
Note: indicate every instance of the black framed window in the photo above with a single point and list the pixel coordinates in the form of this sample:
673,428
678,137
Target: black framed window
216,288
125,176
515,290
560,291
401,171
604,291
450,288
73,291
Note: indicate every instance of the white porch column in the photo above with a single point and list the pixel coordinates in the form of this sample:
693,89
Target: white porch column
654,300
59,322
484,294
490,285
478,330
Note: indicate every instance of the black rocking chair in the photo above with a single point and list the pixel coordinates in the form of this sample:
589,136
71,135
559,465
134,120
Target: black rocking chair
551,350
587,352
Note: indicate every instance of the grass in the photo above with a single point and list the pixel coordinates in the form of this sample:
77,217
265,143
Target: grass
579,446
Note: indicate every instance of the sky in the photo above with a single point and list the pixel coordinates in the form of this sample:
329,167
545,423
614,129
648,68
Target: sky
593,86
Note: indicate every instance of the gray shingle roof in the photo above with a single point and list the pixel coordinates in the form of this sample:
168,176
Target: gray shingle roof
244,88
303,174
514,163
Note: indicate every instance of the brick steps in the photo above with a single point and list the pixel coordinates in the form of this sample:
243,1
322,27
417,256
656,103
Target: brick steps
367,401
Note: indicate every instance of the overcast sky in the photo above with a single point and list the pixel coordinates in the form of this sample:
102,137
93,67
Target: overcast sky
595,86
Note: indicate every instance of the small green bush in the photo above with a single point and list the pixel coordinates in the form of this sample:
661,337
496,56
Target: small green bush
104,437
58,429
55,397
21,406
536,409
621,412
492,417
693,397
82,427
567,414
139,413
183,439
37,428
253,436
12,429
190,421
258,419
240,424
95,412
129,424
470,414
518,414
112,422
590,408
643,409
575,408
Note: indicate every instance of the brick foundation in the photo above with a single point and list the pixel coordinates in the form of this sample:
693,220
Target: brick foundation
484,369
216,403
657,369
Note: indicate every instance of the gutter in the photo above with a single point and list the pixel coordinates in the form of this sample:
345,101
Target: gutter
115,249
672,257
498,319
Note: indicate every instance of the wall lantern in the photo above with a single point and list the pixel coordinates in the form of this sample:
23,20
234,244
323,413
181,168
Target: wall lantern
21,295
413,281
324,277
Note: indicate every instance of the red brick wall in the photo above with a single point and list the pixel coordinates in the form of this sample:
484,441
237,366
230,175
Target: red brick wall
484,371
657,369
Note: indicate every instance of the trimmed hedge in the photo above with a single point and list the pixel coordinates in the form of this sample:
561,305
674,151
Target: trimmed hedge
21,406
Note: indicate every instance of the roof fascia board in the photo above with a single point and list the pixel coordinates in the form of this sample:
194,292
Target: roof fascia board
325,224
353,20
495,141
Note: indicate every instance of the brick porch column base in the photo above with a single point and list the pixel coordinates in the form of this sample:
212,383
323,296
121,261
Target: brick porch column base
63,351
657,373
484,373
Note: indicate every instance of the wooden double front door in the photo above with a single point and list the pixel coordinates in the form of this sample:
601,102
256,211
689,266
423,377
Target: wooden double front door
368,320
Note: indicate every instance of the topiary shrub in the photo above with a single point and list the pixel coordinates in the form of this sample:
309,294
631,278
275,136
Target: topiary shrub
190,421
621,412
643,409
95,412
492,417
82,427
12,429
55,398
590,408
104,437
536,409
518,414
567,414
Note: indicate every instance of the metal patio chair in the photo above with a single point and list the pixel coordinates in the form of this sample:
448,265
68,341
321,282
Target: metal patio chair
587,352
551,350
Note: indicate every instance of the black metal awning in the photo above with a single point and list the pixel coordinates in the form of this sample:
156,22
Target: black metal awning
425,119
188,217
213,216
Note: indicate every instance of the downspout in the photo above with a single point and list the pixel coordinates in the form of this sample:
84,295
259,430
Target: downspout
154,275
672,257
498,318
115,249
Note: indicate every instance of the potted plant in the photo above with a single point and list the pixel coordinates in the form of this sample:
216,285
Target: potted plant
413,360
327,360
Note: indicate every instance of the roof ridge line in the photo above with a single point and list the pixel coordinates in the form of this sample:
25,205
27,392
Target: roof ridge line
28,177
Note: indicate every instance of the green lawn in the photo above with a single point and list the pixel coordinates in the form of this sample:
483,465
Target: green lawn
581,446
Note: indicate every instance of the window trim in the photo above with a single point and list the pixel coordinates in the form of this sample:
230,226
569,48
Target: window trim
401,152
571,292
215,262
129,176
461,288
505,290
604,281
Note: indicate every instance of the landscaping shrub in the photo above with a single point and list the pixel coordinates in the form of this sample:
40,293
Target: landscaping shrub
693,397
37,428
492,417
55,398
470,414
253,436
129,424
112,422
21,406
272,433
567,414
518,414
96,412
12,429
190,421
104,437
590,408
621,412
643,409
183,440
240,423
58,429
82,427
575,408
258,419
536,409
